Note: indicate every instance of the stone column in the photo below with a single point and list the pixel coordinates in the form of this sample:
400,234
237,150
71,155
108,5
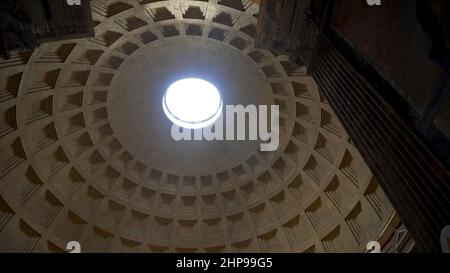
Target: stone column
416,183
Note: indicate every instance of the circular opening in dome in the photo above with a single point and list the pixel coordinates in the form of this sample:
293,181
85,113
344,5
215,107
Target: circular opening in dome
192,103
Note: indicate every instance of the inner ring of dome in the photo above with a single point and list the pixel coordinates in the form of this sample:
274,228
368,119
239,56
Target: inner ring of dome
192,103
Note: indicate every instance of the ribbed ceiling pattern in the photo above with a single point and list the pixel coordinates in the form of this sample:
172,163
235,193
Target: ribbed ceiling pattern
65,175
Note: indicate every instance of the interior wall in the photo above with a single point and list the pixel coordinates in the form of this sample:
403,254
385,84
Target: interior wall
391,37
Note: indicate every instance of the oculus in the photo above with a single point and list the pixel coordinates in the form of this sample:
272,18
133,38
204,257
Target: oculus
192,103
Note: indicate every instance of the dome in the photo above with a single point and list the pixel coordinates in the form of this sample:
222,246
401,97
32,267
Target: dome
87,155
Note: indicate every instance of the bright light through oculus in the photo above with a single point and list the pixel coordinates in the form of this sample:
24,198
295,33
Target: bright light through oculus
192,103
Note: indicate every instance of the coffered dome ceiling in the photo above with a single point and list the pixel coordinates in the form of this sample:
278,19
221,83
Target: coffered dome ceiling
86,152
